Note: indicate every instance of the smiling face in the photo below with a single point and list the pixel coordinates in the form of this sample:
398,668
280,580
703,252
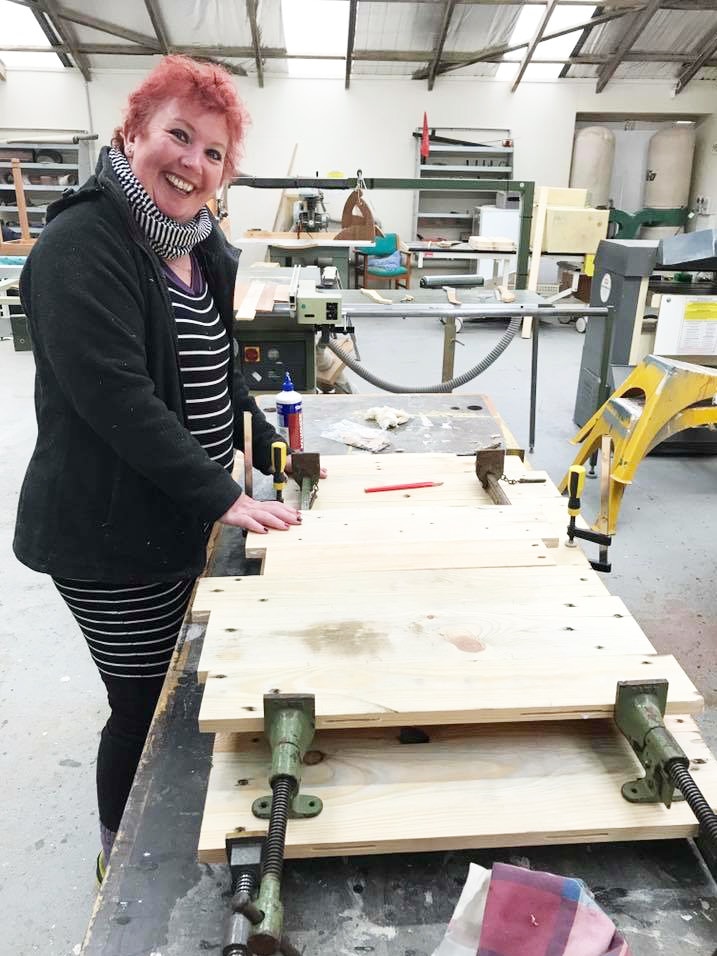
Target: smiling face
179,157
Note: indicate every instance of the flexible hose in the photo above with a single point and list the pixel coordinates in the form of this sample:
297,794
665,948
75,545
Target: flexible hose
683,780
448,386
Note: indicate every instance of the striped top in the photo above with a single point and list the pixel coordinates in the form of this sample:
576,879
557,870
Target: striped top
204,365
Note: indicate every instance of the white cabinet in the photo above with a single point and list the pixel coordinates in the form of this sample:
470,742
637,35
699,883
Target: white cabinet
47,170
459,154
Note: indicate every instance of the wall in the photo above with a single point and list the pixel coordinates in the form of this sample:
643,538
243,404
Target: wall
367,127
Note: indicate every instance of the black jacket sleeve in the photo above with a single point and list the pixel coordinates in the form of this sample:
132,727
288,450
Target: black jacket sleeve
82,293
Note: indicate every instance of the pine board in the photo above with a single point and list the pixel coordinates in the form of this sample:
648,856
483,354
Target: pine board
390,628
469,691
351,526
381,556
396,579
429,592
488,786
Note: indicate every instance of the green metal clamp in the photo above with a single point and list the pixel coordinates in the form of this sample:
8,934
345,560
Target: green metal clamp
639,711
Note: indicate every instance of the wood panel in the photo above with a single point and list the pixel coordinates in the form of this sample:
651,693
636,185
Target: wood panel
391,555
488,786
467,691
428,590
390,629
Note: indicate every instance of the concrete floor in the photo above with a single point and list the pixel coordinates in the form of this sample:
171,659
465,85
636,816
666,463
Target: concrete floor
51,702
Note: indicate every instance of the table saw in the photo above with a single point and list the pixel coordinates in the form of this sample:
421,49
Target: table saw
158,898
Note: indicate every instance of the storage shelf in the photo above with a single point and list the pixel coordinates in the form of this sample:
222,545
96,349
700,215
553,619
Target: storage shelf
74,165
63,166
469,150
463,193
466,169
445,215
451,162
34,188
30,209
38,147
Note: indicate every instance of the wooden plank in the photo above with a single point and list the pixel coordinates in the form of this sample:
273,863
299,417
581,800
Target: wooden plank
328,633
352,526
20,200
473,690
245,308
381,556
418,592
489,786
265,303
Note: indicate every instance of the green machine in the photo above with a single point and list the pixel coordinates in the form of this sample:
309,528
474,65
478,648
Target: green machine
285,340
627,225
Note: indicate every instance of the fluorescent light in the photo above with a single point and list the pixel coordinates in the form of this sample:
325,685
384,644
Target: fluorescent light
560,48
316,28
20,28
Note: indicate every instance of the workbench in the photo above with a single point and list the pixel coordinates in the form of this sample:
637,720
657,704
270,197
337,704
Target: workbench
306,249
157,899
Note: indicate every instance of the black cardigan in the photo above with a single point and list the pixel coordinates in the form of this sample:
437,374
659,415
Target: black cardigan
117,489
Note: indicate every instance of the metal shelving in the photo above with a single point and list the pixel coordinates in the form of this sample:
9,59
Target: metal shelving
68,159
454,209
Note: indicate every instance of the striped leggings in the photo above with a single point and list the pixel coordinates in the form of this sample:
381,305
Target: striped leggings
131,632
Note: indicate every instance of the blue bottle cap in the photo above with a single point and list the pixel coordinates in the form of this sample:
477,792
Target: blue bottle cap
288,385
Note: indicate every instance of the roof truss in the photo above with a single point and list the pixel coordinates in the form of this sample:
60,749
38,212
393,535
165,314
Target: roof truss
690,70
55,20
533,45
635,25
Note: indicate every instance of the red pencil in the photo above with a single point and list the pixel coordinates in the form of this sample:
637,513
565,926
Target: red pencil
413,484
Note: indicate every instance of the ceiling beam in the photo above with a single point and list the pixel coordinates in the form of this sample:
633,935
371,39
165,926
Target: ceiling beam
251,11
104,26
217,61
448,8
580,43
65,33
387,56
468,59
52,37
533,45
350,40
707,50
158,26
212,54
634,27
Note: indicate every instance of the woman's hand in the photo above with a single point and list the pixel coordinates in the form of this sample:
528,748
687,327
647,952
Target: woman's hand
259,516
287,468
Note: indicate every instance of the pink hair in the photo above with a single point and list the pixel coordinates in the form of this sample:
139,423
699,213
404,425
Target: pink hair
182,77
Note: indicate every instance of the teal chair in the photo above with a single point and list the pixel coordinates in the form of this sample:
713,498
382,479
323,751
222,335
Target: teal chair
396,269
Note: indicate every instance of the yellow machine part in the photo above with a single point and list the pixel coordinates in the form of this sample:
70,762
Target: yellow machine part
659,398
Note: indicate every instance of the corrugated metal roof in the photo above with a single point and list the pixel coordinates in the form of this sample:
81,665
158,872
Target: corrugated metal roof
673,31
384,26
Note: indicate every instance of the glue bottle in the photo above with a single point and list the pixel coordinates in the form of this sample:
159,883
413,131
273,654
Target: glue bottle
289,416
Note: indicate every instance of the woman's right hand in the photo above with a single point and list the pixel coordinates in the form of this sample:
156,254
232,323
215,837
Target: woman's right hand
259,516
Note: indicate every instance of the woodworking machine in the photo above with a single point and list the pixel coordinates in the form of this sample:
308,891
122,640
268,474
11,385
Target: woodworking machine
309,212
285,340
664,299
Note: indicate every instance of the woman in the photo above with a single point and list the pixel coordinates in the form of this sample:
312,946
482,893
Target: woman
128,294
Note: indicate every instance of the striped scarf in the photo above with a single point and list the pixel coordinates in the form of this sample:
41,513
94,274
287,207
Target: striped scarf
167,237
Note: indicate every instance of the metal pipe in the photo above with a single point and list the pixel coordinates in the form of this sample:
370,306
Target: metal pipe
533,383
438,310
463,281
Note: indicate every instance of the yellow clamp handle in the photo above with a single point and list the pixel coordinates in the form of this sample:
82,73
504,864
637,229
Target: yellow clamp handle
278,463
576,483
